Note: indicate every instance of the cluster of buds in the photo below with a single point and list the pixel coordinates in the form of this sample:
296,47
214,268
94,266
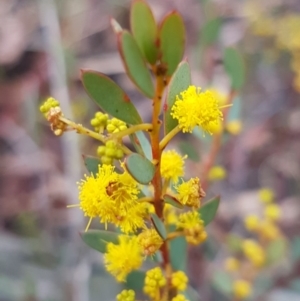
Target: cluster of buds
110,151
52,111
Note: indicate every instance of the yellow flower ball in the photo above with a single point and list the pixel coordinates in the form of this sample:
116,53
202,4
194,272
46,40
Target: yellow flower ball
232,264
272,212
242,289
234,127
217,173
266,195
251,222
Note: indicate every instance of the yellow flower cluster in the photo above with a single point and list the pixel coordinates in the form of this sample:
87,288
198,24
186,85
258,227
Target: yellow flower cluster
195,108
217,173
180,297
172,165
193,227
242,289
190,193
120,259
126,295
113,198
232,264
154,281
150,241
110,151
266,228
99,122
254,252
179,280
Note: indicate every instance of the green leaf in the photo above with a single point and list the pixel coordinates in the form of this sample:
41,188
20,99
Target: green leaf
141,144
135,64
144,29
172,201
91,164
178,252
179,82
172,41
109,96
210,32
188,149
140,168
234,66
295,249
209,210
191,294
159,226
135,280
222,282
97,239
275,251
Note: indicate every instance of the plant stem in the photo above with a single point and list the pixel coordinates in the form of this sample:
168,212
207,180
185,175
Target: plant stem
131,130
85,131
164,142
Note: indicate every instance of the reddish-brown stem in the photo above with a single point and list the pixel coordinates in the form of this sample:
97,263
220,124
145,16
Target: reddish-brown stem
156,155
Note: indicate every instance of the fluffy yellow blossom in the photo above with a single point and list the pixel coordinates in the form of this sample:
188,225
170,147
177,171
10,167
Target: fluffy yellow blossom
193,227
179,280
180,297
242,289
272,212
232,264
251,222
172,165
126,295
113,198
266,195
195,108
150,241
124,257
154,281
254,252
190,193
217,173
234,127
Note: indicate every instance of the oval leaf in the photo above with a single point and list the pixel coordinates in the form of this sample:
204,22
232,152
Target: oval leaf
209,210
91,164
159,226
234,66
109,96
172,201
178,252
179,82
140,168
144,29
135,64
135,280
172,41
210,32
275,251
97,239
141,144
